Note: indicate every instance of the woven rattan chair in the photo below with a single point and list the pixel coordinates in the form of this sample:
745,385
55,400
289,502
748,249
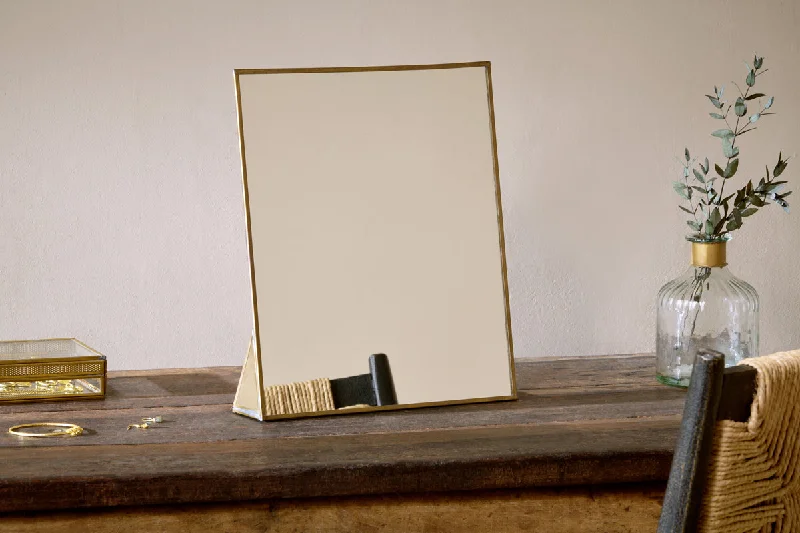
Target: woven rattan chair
736,466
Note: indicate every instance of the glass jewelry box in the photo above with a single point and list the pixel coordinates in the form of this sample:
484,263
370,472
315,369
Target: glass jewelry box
50,369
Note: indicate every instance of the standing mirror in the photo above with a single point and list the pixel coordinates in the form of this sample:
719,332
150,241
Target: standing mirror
376,240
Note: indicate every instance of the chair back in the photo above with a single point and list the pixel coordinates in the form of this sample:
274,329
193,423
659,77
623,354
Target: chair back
736,466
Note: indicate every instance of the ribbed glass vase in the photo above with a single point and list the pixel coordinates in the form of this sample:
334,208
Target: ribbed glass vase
705,308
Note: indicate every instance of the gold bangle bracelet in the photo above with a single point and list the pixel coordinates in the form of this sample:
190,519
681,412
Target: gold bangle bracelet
62,430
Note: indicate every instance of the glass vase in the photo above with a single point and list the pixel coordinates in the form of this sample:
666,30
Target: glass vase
705,308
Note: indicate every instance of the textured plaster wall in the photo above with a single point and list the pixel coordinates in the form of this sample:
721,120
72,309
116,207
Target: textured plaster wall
121,219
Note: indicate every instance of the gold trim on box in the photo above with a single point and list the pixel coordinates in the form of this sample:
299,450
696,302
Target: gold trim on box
49,369
503,266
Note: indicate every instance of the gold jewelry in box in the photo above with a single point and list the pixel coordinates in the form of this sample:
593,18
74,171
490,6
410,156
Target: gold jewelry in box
61,430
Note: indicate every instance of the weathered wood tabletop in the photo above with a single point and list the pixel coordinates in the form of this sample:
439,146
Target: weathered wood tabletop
578,421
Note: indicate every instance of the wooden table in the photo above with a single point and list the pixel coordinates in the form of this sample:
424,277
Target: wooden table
586,448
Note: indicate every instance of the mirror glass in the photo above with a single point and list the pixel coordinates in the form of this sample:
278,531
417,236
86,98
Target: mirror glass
376,244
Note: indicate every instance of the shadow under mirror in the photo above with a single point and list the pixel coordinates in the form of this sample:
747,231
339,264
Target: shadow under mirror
376,245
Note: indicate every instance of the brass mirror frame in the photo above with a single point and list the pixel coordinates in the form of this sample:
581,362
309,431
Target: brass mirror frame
253,367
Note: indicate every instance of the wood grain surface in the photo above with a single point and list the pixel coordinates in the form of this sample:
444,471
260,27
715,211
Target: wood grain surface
606,509
579,421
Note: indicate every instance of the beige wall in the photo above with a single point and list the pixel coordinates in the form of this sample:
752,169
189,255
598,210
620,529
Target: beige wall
121,220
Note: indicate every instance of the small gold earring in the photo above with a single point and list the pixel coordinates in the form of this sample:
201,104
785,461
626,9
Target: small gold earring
139,426
153,419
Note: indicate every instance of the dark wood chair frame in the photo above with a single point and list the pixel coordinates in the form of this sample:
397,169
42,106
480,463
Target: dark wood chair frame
375,388
715,393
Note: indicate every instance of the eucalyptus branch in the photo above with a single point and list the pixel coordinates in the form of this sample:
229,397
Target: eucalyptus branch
733,145
713,215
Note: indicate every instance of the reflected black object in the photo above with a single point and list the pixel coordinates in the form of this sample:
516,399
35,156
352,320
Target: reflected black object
375,388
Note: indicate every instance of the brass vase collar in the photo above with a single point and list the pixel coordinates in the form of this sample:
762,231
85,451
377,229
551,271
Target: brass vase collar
709,254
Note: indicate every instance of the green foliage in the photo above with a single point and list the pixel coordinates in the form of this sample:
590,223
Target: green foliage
740,108
713,213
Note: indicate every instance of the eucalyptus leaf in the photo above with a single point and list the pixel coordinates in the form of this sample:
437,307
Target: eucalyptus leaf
754,118
706,167
774,186
779,168
749,211
686,152
758,62
754,96
709,228
769,103
701,190
740,108
686,210
717,116
694,225
756,200
751,78
731,169
728,149
681,189
699,176
724,133
715,101
719,170
715,216
733,225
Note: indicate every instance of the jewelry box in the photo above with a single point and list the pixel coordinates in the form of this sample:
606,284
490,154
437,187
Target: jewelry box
50,369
